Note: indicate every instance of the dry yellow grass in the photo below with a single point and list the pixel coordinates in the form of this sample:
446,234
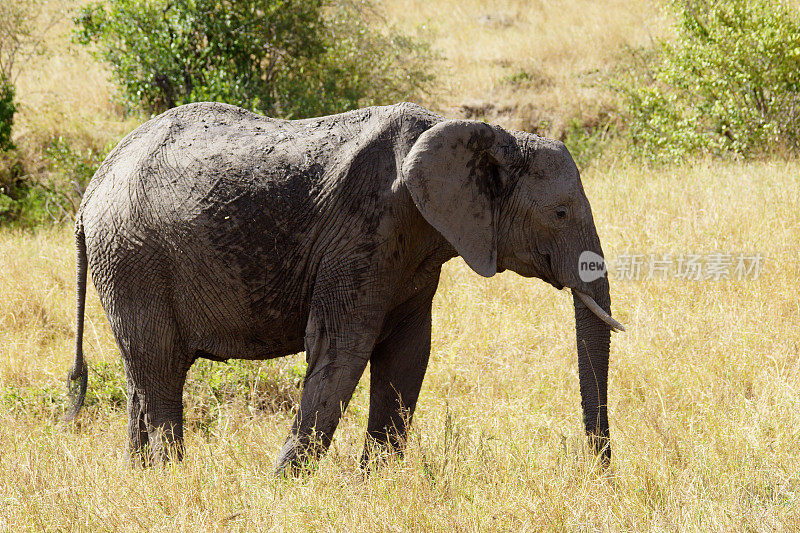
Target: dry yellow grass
65,93
562,45
703,395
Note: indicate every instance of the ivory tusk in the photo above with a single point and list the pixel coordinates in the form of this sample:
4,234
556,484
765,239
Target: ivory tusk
589,302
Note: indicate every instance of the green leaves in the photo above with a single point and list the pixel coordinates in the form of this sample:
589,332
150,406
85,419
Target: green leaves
729,84
289,58
7,110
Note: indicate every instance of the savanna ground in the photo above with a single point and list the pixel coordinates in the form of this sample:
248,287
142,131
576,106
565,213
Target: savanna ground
704,403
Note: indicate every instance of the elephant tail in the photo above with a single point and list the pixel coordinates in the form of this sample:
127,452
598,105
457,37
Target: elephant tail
78,375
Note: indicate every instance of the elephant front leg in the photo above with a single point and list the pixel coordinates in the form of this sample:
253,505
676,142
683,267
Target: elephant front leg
335,364
397,369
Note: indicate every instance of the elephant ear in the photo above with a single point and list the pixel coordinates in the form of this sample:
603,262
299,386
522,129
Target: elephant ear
453,173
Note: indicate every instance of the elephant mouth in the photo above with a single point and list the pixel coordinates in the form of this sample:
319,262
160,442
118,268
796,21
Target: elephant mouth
549,274
588,301
555,284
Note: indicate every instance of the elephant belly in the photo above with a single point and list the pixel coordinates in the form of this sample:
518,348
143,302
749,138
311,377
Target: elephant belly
230,307
218,338
246,347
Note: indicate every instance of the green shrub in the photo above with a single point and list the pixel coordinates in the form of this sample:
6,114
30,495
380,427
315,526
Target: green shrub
7,110
106,388
289,58
51,195
263,385
29,195
70,169
729,84
587,139
30,203
44,402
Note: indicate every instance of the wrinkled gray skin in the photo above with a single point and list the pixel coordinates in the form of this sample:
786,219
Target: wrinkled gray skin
214,232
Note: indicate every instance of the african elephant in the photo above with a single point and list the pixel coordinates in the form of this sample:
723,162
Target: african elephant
214,232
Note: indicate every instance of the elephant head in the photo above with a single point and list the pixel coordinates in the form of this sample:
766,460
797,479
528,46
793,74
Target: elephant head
513,200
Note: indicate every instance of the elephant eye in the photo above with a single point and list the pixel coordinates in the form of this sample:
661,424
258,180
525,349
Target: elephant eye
561,212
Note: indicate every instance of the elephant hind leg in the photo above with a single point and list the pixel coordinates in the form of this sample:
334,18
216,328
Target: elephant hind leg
155,418
161,427
156,364
164,422
138,437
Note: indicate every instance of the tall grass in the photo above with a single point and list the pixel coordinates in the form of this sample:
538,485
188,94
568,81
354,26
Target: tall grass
704,396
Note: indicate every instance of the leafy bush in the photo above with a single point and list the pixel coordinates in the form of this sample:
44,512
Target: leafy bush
589,136
51,195
31,202
24,204
44,402
106,388
730,83
290,58
72,168
260,386
7,110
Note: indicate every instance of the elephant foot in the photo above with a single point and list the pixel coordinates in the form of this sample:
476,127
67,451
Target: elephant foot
380,450
297,457
148,456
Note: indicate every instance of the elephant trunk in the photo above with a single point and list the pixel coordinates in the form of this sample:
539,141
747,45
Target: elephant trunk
593,337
